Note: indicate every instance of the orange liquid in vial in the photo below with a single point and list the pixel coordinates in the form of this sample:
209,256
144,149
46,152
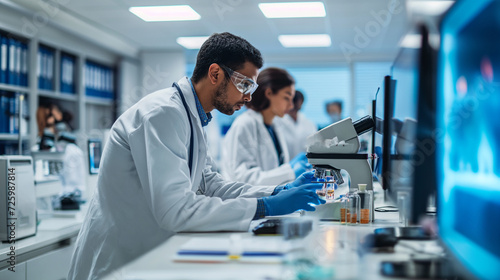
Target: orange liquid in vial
365,216
342,215
330,194
353,218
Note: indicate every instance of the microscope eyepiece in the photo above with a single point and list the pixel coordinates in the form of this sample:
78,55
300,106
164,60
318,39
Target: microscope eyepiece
363,125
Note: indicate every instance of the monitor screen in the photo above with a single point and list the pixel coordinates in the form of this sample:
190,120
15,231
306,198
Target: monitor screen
382,109
411,157
94,151
469,155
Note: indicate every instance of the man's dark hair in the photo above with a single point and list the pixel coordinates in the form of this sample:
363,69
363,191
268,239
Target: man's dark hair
335,102
298,96
273,78
226,49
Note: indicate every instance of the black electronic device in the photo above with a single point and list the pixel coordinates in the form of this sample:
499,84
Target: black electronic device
267,227
409,165
468,155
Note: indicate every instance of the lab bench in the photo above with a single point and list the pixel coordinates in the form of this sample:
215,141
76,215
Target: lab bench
339,244
45,255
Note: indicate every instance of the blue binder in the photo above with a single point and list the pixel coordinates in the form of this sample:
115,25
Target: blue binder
17,63
40,67
13,115
50,71
4,114
12,61
24,64
3,59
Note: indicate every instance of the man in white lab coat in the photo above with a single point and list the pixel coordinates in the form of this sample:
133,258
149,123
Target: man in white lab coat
155,177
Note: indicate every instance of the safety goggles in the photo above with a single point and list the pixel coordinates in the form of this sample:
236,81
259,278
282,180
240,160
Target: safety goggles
244,84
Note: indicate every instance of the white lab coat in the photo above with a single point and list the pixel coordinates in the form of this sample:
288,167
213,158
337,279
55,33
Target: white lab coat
73,173
145,193
249,154
296,132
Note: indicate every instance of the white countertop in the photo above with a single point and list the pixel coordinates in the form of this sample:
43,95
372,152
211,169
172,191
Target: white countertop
336,247
50,231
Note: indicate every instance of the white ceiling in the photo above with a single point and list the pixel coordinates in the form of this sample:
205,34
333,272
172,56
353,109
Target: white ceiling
243,18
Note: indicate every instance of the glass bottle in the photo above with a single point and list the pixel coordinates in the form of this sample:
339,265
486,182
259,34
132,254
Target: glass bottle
322,192
330,186
366,198
343,208
353,207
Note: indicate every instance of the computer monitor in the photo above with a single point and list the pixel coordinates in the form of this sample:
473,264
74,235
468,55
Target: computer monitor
94,151
382,111
410,161
469,154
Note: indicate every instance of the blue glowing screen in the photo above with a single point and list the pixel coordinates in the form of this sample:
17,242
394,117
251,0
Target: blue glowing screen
469,149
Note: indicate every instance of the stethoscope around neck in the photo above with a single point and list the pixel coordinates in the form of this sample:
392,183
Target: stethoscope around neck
191,127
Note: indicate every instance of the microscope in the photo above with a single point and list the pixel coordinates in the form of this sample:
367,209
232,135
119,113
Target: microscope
335,148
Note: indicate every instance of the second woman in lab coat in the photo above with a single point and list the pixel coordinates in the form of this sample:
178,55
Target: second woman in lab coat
254,149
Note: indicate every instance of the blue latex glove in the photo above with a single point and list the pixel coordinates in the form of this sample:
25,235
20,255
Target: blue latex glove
304,178
289,201
299,164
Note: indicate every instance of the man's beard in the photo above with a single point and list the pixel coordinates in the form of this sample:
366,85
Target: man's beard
220,100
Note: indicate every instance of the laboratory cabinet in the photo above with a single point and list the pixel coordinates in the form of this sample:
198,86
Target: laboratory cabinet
53,265
50,266
20,273
52,66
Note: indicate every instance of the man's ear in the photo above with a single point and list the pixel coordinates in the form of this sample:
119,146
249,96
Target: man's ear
215,74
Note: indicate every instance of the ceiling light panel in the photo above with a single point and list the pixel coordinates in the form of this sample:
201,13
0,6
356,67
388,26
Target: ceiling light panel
305,40
430,8
191,42
293,9
165,13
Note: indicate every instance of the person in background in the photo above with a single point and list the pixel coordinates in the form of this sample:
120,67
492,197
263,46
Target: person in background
255,149
334,110
73,173
156,178
52,127
297,127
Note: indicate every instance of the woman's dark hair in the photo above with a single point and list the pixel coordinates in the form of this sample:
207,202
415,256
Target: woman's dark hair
272,78
226,49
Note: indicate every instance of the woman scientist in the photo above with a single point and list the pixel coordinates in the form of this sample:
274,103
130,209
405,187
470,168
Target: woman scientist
255,150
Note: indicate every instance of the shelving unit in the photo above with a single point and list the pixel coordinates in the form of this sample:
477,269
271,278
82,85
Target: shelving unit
51,61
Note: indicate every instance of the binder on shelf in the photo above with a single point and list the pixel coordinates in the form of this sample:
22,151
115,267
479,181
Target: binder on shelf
17,66
4,113
50,71
45,68
13,114
39,66
99,81
11,67
67,74
3,59
24,64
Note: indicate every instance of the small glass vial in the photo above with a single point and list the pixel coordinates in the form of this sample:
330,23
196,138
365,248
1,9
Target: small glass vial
353,208
343,208
365,204
322,192
330,186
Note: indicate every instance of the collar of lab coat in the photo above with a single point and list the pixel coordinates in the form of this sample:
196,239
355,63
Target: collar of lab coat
189,96
257,115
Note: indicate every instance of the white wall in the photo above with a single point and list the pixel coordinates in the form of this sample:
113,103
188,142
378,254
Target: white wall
160,69
129,86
